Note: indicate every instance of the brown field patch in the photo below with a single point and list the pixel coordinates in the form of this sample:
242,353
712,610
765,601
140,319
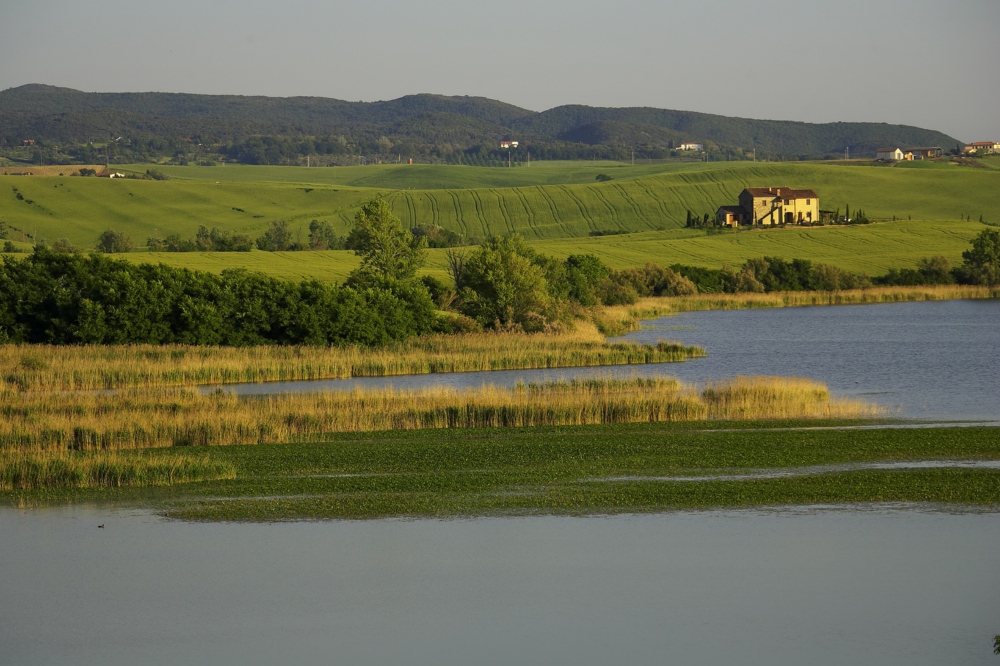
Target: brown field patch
49,170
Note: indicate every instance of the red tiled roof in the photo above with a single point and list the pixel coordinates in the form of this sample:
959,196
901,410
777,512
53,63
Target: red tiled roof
781,192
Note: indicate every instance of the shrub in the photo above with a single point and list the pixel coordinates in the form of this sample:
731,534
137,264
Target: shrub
112,241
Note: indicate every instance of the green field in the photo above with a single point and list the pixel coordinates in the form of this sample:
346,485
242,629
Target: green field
554,205
871,249
559,470
431,176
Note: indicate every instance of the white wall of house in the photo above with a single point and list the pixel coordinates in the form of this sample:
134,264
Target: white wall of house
895,154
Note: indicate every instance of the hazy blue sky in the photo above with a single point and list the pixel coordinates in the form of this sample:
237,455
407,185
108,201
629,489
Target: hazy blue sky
930,63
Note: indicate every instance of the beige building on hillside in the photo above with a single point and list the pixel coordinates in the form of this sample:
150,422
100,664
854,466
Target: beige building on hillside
768,206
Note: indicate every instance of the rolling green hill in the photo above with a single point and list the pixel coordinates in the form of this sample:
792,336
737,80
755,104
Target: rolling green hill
80,208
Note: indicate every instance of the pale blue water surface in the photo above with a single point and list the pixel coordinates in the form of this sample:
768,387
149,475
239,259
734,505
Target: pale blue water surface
931,360
807,586
858,585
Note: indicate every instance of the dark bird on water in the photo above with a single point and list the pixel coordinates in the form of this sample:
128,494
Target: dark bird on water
101,526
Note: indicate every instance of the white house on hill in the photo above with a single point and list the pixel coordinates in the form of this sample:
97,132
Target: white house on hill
889,154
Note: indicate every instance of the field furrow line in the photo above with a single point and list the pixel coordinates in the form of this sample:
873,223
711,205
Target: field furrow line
552,208
634,205
584,213
435,209
459,213
481,213
501,204
659,202
612,210
532,222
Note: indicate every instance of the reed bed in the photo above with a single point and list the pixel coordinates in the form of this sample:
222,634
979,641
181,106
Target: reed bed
61,368
33,470
615,320
142,418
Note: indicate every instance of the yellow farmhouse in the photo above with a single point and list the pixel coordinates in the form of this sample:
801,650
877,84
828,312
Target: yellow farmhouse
766,206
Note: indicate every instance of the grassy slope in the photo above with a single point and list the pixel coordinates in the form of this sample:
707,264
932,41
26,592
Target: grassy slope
871,249
79,208
547,470
428,176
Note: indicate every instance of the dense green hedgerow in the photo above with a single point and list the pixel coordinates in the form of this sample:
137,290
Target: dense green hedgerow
77,299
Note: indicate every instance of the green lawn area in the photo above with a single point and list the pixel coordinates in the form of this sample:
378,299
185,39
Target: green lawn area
81,208
871,249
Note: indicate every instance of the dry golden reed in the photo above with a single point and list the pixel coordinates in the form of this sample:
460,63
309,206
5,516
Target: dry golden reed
140,418
615,320
48,367
31,470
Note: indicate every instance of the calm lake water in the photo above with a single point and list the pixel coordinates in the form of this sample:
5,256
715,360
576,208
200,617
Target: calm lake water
934,360
807,586
821,585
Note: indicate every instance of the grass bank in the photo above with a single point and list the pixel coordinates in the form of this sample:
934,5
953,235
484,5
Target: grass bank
149,418
48,368
562,470
615,320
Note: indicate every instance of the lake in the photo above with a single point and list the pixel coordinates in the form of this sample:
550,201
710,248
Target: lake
817,585
871,585
929,360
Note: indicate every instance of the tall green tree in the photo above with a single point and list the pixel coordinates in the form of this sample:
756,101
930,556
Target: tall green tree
387,250
501,285
982,261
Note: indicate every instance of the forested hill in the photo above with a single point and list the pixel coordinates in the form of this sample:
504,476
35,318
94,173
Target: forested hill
434,125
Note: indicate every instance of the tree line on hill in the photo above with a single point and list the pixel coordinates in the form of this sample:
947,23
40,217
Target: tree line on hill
65,125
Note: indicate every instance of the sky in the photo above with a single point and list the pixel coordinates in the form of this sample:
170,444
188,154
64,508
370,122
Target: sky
929,63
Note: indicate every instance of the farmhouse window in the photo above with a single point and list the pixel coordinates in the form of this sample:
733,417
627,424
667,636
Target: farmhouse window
808,201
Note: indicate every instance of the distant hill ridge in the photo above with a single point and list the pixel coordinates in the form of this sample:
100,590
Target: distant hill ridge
50,113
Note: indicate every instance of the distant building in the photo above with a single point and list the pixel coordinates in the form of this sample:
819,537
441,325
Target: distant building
697,147
28,142
983,148
768,206
506,145
889,154
110,174
729,216
924,152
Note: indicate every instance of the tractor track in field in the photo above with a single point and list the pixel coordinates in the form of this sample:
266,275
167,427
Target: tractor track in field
481,212
501,204
459,213
584,213
615,216
532,222
659,202
630,201
553,209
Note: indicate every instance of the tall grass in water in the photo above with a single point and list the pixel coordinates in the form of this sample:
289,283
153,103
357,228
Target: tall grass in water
43,367
31,470
615,320
179,417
